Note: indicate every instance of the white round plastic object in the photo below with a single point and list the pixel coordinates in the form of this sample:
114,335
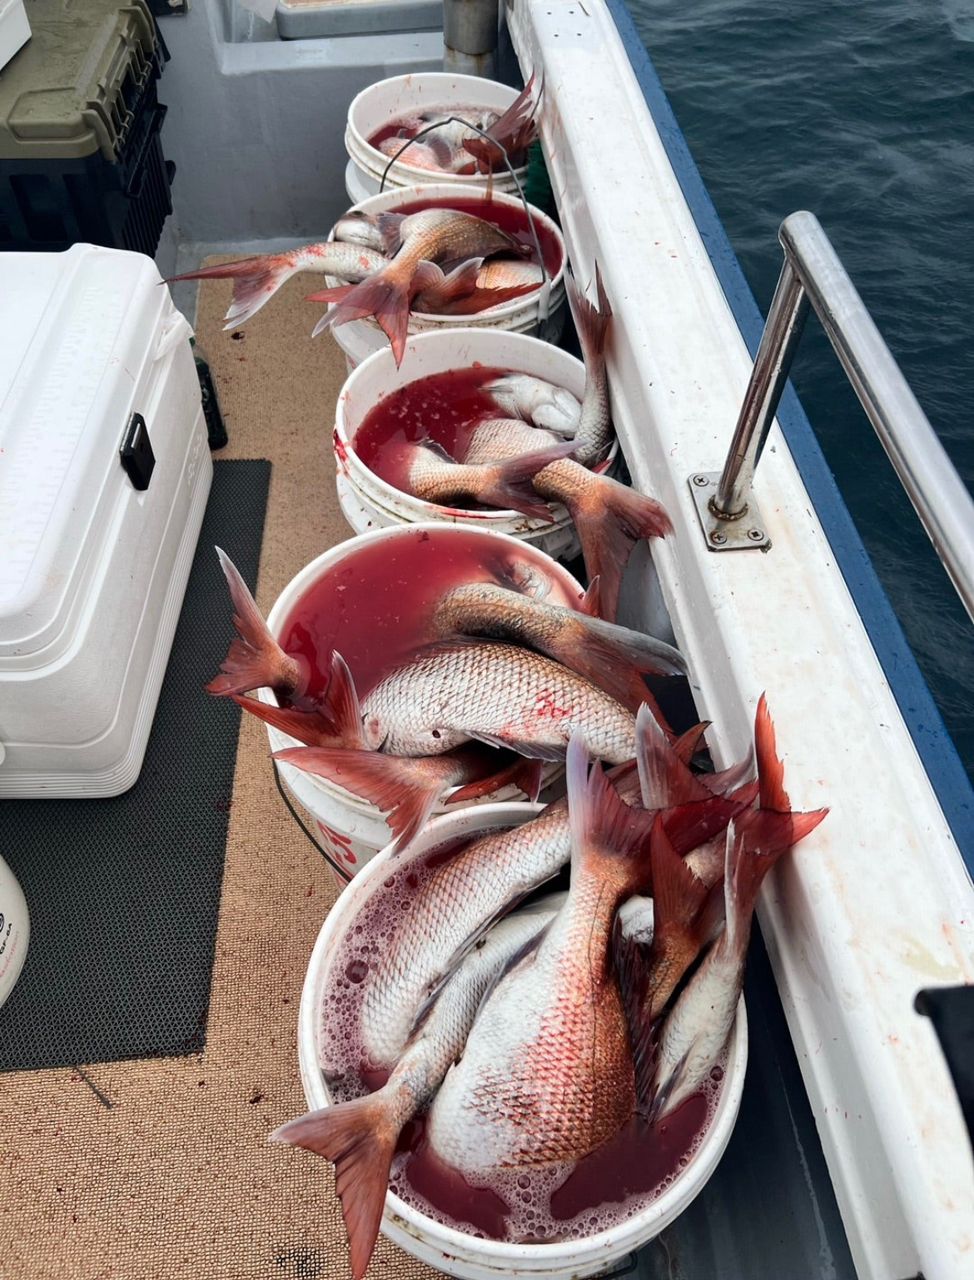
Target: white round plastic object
541,312
351,829
388,100
369,502
456,1252
14,930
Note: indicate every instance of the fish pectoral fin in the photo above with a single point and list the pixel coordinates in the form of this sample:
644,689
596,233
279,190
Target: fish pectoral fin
533,750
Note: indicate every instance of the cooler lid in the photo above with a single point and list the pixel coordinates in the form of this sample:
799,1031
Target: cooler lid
78,332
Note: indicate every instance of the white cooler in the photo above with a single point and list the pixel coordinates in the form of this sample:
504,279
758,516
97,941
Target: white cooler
104,476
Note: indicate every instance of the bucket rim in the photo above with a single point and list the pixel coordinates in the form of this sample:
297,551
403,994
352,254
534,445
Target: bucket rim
447,339
461,1245
471,181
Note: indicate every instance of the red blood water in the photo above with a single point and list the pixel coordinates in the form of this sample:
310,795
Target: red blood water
510,218
622,1176
444,407
375,605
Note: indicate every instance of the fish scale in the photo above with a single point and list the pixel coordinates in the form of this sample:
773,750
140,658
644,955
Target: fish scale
504,695
452,906
547,1074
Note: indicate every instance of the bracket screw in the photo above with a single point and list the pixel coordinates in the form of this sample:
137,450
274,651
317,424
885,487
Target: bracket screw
700,481
718,538
756,535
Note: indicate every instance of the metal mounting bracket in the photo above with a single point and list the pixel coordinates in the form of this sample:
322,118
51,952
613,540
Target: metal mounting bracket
745,532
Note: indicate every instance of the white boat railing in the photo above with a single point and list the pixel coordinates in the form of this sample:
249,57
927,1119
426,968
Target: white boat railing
812,273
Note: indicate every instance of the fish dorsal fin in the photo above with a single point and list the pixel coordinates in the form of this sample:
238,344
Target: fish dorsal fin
434,446
589,604
464,950
390,228
518,958
631,960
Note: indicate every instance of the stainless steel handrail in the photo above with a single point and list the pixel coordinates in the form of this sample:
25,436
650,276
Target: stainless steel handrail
812,273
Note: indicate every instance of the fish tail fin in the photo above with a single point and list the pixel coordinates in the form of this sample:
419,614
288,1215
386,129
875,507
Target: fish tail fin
681,925
609,838
405,790
687,743
611,518
446,288
524,774
359,1138
386,295
255,281
512,131
591,322
774,826
614,658
254,660
309,727
694,823
665,779
726,780
508,484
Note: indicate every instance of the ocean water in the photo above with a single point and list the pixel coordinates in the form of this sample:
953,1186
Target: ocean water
862,112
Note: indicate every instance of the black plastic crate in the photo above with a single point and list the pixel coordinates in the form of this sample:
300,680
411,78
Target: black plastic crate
80,153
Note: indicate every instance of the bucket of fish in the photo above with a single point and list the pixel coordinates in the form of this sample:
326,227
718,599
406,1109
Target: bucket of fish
449,113
373,599
449,386
531,1155
506,270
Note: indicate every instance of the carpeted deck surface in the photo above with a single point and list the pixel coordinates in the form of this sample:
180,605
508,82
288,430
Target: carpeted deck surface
158,1168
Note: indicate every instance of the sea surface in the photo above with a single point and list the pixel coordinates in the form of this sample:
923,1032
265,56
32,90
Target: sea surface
863,112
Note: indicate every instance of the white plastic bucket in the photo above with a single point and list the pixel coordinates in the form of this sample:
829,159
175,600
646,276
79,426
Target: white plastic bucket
456,1252
388,100
351,829
14,930
541,312
369,502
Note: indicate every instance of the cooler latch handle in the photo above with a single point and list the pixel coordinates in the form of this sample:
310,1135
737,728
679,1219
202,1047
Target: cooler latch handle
136,454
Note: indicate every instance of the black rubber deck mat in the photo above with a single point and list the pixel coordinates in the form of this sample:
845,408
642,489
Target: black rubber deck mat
123,893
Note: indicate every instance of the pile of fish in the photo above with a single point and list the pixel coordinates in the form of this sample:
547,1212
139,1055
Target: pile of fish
463,140
441,261
495,666
471,1012
529,1040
